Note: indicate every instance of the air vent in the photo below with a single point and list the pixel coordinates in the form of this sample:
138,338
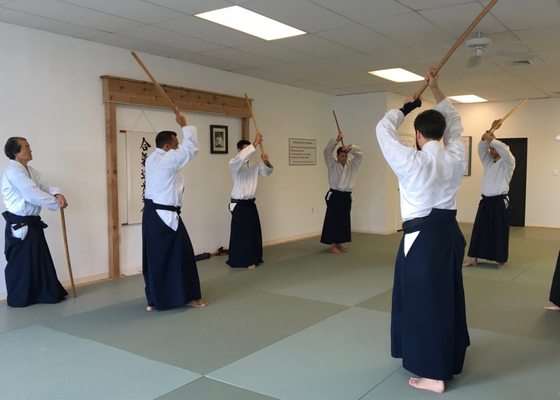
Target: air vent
522,62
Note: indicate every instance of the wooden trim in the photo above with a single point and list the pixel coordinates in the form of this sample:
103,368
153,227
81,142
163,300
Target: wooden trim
117,90
130,91
112,187
245,129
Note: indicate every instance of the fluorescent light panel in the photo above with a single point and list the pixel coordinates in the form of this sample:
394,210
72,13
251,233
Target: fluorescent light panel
243,20
468,98
397,75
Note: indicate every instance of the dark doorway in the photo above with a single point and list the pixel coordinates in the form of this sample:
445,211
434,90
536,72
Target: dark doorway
518,184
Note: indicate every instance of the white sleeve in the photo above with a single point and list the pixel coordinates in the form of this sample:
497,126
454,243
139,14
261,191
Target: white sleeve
485,158
453,130
357,156
30,191
503,150
237,162
264,170
187,149
328,153
398,155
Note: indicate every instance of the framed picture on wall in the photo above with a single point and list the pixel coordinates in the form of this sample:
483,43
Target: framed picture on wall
218,139
467,140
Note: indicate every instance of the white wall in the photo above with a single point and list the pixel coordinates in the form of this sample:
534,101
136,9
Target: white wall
537,120
51,94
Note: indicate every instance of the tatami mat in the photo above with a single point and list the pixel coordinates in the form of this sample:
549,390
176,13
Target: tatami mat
305,325
200,340
334,359
40,363
209,389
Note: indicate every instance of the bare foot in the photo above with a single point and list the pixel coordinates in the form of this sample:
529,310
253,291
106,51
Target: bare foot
472,261
150,308
334,249
501,264
253,266
427,384
196,303
552,308
340,247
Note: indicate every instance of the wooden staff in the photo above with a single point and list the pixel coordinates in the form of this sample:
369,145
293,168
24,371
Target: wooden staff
338,127
63,220
154,81
254,120
458,42
514,110
517,107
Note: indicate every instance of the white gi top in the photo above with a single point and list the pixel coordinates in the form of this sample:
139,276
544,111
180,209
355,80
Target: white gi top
25,191
342,178
164,181
429,178
245,174
497,174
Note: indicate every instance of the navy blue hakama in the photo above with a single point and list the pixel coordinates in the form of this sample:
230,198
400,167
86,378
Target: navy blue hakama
336,226
245,239
168,262
490,234
555,287
30,273
428,320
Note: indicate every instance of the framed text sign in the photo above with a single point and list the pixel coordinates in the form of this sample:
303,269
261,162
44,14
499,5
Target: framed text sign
302,151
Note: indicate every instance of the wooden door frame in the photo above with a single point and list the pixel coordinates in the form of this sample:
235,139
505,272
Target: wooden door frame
117,90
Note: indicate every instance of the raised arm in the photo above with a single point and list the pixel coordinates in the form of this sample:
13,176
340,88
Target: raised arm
265,168
432,81
505,153
483,147
189,145
398,155
237,162
357,154
328,152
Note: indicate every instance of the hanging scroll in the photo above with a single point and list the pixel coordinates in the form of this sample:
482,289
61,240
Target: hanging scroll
139,145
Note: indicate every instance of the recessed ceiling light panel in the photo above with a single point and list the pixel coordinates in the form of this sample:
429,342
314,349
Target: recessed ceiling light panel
397,75
250,22
468,98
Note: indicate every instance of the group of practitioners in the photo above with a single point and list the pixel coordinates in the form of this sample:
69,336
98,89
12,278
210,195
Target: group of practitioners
428,319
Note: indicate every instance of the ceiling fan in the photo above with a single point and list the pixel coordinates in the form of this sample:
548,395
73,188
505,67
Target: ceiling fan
477,46
480,46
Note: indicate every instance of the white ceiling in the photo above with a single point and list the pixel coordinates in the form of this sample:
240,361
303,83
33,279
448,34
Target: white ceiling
346,39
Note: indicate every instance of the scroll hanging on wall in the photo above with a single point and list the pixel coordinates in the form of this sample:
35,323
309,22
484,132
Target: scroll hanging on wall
139,145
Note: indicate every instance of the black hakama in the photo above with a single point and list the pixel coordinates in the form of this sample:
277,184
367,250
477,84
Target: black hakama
428,321
168,262
490,235
30,273
336,227
245,239
555,287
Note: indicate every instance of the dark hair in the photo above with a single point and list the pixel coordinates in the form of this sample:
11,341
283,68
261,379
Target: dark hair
12,147
164,137
242,143
340,150
431,124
